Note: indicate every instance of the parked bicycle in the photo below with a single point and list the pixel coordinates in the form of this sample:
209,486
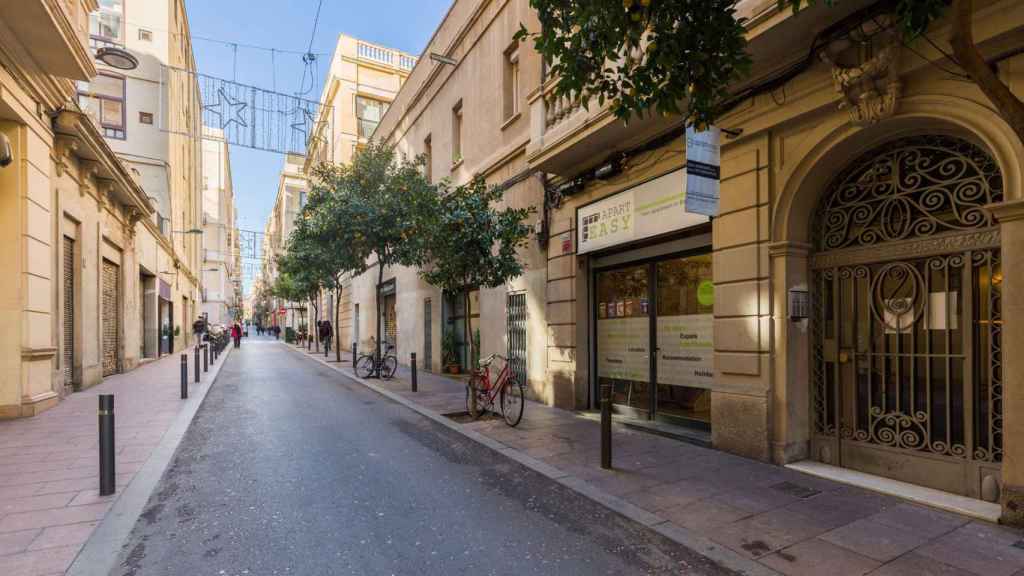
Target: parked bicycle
506,389
368,364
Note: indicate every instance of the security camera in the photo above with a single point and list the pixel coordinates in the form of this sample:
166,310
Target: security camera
6,156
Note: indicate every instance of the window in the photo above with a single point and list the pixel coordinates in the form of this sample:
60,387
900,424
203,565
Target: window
145,117
368,114
103,100
510,83
107,23
145,35
428,158
457,133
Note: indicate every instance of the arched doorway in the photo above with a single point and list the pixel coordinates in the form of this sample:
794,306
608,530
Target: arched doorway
906,329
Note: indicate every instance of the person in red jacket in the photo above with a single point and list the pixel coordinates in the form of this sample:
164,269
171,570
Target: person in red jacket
236,334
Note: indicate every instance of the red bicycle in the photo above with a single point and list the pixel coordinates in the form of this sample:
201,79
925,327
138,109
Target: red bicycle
506,389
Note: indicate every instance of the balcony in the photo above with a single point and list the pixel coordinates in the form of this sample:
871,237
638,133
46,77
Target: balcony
385,56
55,32
567,138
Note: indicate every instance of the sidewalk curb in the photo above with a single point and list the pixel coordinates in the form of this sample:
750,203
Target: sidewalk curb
688,538
101,552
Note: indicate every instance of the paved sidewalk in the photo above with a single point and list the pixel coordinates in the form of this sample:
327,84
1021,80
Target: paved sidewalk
49,473
790,522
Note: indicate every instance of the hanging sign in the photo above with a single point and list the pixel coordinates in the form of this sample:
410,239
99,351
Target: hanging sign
703,170
652,208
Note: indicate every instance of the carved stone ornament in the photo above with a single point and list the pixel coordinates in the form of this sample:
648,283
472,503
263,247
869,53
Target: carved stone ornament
90,177
871,90
65,149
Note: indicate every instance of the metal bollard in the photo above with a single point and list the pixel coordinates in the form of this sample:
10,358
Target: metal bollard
206,357
184,375
355,350
106,422
606,426
412,365
196,355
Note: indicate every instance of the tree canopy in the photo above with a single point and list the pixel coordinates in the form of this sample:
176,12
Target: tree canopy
682,56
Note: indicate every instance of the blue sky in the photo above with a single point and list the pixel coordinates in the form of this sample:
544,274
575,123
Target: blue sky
402,24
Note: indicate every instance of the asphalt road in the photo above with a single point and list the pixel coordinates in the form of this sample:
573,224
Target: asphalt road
289,468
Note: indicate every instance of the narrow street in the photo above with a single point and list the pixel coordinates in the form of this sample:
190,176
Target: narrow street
290,469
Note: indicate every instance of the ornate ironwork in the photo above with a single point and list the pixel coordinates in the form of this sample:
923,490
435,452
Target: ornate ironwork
915,186
907,348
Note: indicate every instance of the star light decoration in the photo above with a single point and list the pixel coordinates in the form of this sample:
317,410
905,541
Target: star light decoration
303,119
228,107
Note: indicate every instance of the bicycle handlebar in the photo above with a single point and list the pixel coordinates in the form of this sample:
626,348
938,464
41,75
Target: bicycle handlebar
487,361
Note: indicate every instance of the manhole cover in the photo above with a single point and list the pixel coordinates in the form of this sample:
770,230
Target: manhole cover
464,417
795,489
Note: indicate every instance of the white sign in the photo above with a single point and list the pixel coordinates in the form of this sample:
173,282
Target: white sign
623,348
703,170
652,208
686,354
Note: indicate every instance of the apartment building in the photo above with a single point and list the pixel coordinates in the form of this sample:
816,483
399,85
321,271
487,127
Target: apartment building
291,197
471,118
93,182
221,268
362,81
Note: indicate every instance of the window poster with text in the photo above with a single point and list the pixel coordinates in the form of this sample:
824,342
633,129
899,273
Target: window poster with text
623,348
686,350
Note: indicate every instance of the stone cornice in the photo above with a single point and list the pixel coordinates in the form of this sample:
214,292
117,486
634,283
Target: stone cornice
1007,211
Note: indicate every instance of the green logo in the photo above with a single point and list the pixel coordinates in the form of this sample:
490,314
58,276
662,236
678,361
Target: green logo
706,293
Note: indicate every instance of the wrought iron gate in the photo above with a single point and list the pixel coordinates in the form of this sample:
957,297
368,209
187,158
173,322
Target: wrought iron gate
907,325
516,328
68,357
111,317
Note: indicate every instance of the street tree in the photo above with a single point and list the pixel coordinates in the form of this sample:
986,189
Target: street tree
373,210
321,244
473,244
303,277
683,56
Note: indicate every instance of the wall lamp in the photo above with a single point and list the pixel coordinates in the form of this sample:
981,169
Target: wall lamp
441,59
117,57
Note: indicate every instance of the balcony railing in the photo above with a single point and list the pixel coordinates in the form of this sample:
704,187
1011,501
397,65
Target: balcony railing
558,108
385,56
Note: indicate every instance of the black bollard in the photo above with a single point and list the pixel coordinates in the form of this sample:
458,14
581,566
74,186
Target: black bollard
196,355
355,350
184,375
606,426
412,365
106,421
206,357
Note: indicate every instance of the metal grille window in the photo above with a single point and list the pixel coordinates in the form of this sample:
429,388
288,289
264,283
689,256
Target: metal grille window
111,317
68,359
516,328
428,344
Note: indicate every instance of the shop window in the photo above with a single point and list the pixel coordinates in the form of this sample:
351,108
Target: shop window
103,100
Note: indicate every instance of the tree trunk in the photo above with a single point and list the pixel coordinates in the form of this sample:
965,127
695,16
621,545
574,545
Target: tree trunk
316,321
473,408
970,59
380,338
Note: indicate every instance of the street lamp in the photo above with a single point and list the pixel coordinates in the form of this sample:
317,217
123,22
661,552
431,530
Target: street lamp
117,57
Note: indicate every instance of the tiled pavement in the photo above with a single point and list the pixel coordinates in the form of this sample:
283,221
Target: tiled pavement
793,523
49,476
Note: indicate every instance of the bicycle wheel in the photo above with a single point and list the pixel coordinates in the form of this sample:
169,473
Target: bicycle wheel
513,399
364,366
388,367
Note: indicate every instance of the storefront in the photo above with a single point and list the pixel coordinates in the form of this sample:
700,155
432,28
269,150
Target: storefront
651,302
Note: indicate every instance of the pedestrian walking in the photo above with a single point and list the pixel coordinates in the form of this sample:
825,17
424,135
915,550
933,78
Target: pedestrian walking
236,334
326,333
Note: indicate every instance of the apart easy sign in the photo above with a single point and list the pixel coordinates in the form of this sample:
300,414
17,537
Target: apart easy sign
652,208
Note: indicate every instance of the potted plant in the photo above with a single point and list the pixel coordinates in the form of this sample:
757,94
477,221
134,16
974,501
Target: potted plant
449,352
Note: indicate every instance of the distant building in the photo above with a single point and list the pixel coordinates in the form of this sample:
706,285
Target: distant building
221,279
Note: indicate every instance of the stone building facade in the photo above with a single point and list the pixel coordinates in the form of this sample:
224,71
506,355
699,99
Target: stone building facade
81,301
